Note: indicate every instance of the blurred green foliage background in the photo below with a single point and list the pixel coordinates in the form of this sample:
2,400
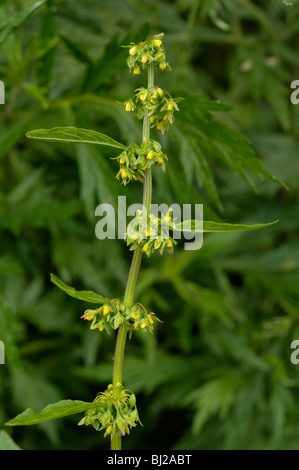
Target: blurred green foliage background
217,372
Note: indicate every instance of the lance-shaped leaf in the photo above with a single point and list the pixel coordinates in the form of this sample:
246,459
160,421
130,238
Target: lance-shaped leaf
10,25
7,443
74,135
206,226
86,295
53,411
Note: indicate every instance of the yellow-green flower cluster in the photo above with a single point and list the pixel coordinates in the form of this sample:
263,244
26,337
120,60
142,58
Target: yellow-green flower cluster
116,312
135,160
160,106
151,233
145,53
115,412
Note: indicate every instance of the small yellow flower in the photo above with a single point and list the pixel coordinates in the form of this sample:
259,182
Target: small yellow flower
144,59
160,159
148,232
160,56
89,316
170,107
106,309
152,118
123,159
160,126
135,315
143,324
144,167
133,50
123,173
169,243
158,93
167,218
109,430
157,244
150,155
163,65
157,42
144,248
129,106
136,70
143,96
101,326
150,319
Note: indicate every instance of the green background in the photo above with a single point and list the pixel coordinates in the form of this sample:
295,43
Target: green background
216,374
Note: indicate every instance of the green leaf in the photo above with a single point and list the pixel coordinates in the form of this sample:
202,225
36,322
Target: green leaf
53,411
77,51
196,166
47,42
86,295
202,103
6,442
10,136
17,20
208,226
74,134
223,142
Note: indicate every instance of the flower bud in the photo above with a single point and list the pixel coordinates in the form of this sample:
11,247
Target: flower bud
106,309
123,159
133,50
143,96
132,400
163,65
158,93
169,243
123,173
88,315
129,106
150,155
160,57
109,430
157,243
136,70
121,426
157,42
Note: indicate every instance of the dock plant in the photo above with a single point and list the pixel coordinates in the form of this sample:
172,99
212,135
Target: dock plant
114,411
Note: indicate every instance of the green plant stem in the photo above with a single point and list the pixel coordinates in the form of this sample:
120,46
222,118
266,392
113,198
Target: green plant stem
134,269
